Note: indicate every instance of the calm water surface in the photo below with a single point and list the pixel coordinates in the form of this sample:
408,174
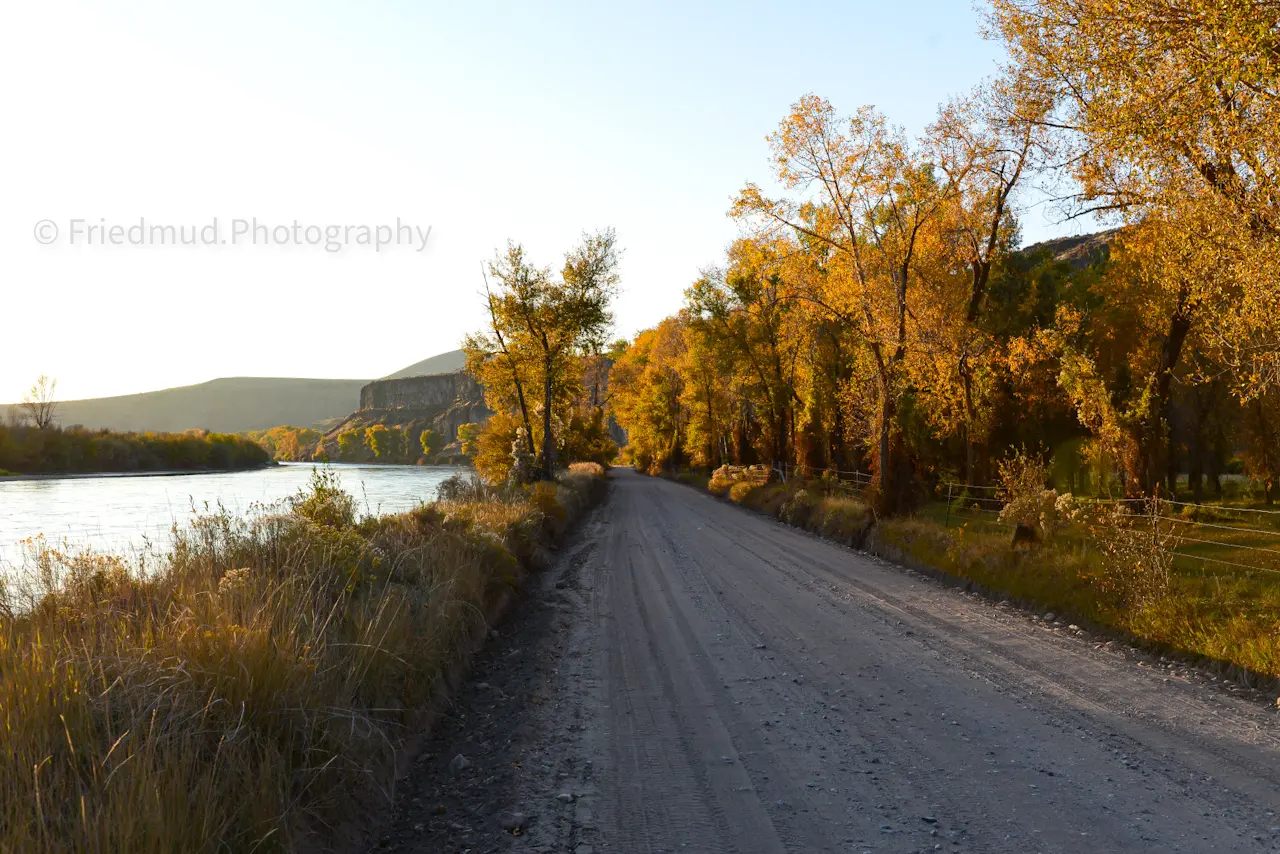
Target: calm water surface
119,514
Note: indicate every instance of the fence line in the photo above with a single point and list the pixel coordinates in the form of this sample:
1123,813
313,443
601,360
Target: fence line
1179,521
1218,507
961,500
1248,566
1187,539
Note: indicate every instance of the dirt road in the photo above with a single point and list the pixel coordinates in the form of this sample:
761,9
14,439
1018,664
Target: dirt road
696,678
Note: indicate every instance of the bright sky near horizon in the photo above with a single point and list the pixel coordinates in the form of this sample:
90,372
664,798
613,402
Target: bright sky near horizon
481,121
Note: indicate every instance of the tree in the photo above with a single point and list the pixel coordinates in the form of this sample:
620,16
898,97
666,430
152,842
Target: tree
647,385
499,449
541,327
754,310
468,436
431,442
39,403
349,445
1171,109
1260,431
986,143
492,355
875,195
386,443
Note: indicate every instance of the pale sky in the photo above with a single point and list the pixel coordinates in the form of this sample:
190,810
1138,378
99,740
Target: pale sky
482,121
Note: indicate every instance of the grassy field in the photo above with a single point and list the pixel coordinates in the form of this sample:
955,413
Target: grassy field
251,693
1220,599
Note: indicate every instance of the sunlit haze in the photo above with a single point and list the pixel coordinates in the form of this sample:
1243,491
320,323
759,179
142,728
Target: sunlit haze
482,123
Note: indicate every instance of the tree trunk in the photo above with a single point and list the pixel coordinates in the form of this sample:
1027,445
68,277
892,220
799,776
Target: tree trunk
1153,435
711,430
524,413
1195,473
968,435
548,453
1270,452
969,418
886,464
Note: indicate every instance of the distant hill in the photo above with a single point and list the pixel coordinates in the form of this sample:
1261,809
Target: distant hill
237,404
227,405
445,363
1080,250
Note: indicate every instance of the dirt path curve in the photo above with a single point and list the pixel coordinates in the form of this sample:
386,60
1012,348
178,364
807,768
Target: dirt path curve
696,678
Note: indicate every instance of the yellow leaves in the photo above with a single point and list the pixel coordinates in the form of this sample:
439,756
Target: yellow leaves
1022,354
1174,115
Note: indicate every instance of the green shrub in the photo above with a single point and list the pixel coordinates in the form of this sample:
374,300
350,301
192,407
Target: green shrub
798,509
844,519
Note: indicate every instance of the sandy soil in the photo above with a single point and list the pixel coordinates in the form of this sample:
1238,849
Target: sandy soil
693,677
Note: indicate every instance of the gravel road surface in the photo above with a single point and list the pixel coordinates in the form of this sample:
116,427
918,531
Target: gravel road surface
693,677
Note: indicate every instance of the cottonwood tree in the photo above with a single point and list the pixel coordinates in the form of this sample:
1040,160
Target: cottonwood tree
1172,108
646,385
1259,432
492,355
987,143
1119,360
40,404
865,197
754,311
431,442
541,328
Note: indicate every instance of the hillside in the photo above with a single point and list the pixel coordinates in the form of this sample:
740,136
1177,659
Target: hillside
238,404
1079,250
445,363
227,405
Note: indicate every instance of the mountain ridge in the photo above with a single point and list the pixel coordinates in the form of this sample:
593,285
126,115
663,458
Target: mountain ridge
236,404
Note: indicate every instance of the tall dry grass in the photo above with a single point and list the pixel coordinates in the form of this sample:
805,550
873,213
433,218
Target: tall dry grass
1122,581
816,505
250,693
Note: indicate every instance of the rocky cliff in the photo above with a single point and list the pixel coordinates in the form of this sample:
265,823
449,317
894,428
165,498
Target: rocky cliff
424,392
439,402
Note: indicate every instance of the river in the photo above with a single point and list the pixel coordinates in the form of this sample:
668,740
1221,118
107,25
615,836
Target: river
120,514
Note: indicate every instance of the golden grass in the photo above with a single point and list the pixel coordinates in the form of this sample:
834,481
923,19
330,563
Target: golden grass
816,506
1231,619
592,469
250,693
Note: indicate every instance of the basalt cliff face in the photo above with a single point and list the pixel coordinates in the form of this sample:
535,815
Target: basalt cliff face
439,402
425,392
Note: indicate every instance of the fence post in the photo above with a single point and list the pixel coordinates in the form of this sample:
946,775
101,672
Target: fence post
947,524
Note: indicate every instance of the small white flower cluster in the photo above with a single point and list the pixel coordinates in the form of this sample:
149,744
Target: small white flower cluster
1045,510
233,579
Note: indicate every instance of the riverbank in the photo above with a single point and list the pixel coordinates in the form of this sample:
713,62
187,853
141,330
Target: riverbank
6,477
26,450
256,690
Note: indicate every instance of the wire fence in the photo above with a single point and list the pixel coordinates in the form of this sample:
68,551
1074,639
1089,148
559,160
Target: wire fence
1204,537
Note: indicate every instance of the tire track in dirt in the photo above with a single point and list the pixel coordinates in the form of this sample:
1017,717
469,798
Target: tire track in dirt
708,680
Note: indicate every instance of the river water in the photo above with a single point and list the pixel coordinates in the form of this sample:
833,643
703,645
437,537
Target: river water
121,514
